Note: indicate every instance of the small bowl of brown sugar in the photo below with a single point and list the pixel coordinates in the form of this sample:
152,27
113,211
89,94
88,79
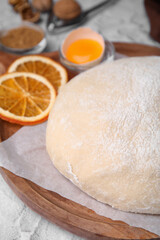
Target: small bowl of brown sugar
25,38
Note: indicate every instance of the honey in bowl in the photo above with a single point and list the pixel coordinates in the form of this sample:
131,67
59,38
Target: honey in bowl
82,47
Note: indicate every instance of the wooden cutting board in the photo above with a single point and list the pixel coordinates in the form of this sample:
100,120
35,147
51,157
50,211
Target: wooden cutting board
57,209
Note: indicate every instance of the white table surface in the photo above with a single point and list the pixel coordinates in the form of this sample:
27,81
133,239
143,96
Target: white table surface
124,21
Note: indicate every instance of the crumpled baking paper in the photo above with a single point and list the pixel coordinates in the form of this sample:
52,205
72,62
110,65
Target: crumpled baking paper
24,154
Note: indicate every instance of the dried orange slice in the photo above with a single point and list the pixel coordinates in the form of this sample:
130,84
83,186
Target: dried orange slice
25,98
46,67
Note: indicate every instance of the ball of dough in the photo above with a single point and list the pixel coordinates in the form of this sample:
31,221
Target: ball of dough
103,133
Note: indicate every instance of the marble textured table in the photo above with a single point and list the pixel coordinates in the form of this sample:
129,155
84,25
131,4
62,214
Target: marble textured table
124,21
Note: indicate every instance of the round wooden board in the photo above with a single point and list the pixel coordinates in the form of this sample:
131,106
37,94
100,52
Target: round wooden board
57,209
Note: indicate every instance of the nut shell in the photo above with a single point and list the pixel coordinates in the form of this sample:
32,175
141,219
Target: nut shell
14,2
20,6
28,15
66,9
42,5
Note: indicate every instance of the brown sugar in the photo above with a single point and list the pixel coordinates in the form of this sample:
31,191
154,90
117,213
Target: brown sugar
21,38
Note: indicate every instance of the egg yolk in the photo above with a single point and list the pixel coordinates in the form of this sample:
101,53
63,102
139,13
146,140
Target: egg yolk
84,51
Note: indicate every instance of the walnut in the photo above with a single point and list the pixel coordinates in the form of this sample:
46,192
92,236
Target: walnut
28,15
20,6
66,9
42,5
14,2
25,10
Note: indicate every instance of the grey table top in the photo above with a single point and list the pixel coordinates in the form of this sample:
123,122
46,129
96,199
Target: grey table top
124,21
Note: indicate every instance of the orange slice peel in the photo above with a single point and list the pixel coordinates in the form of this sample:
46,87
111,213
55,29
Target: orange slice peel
25,98
44,66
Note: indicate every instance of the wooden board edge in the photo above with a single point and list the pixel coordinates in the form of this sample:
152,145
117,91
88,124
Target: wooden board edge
131,48
104,228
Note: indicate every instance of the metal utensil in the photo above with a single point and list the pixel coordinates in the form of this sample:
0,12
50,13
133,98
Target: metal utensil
55,24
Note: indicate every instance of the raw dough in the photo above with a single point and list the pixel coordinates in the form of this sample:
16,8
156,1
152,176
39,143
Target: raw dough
103,133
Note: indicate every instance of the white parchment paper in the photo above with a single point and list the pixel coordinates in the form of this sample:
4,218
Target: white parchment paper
25,155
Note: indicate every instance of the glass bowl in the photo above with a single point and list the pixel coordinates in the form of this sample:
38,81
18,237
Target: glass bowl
33,50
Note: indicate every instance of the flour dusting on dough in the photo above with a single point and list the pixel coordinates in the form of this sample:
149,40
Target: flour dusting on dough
104,133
